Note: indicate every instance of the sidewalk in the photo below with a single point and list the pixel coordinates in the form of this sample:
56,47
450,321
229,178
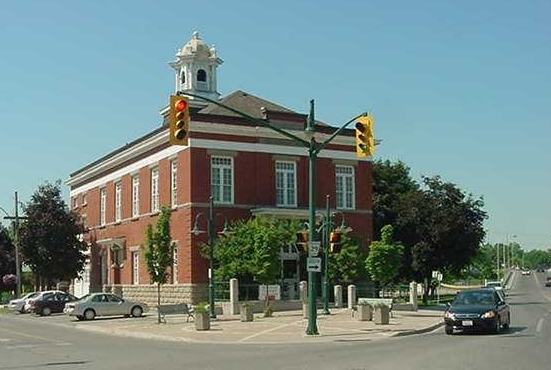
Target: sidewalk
284,327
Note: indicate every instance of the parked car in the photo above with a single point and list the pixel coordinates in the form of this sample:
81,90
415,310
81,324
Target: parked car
104,304
477,310
51,301
494,284
548,281
19,303
526,272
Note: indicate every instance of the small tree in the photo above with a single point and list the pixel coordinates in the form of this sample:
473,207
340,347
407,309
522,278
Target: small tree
346,266
159,253
385,258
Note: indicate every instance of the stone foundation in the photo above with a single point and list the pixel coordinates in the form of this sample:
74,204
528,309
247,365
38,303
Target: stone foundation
179,293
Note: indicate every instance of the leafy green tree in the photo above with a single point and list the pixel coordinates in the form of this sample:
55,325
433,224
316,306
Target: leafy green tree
347,266
251,252
159,252
7,256
50,239
536,258
385,258
450,228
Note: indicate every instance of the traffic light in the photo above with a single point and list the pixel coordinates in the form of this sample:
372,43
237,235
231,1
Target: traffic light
335,241
303,238
178,120
365,142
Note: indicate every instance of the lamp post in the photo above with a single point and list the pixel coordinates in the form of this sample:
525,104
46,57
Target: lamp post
510,254
325,284
210,235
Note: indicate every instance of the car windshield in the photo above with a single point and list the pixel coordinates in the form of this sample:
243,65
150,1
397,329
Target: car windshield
84,297
474,298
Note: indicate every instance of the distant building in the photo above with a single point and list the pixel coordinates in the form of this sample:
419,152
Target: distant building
248,170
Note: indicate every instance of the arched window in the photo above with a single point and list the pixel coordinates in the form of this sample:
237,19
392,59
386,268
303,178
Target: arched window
201,75
201,80
183,77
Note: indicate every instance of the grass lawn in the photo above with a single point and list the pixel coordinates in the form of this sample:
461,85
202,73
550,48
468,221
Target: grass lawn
5,310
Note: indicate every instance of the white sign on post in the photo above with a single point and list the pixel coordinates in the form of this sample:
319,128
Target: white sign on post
313,264
314,249
273,291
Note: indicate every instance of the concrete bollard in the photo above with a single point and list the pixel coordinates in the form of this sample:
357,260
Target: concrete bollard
413,295
234,297
304,292
351,296
337,290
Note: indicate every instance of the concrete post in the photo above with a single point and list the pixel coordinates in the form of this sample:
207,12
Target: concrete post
413,295
351,296
303,287
337,290
234,297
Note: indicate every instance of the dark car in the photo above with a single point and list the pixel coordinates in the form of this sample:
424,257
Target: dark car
50,302
477,310
548,281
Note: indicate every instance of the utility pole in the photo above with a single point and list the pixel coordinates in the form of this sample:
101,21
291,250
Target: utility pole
16,219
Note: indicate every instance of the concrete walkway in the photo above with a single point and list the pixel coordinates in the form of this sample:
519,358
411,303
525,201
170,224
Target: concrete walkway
284,327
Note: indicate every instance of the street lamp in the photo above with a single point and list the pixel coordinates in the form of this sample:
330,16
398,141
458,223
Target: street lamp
510,254
210,233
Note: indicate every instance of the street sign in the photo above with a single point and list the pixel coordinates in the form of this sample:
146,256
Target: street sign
313,264
314,248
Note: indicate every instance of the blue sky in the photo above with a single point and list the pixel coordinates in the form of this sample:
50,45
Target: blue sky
458,89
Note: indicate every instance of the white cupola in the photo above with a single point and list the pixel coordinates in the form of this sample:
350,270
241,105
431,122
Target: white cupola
195,67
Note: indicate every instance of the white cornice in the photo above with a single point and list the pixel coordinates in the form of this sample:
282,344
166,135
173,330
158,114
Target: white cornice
161,138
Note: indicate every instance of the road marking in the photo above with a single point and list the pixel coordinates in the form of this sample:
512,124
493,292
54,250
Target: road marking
30,336
269,330
540,325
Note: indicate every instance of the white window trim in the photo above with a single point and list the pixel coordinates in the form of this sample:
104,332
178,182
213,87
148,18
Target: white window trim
102,206
135,196
155,189
343,177
174,182
218,198
286,173
118,201
175,265
135,267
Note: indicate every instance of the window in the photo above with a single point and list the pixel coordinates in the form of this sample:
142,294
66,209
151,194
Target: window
286,184
344,178
135,267
154,190
84,201
174,183
135,196
118,201
221,179
175,266
201,80
183,77
102,199
75,201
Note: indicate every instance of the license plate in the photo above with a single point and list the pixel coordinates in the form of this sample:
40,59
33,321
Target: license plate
467,322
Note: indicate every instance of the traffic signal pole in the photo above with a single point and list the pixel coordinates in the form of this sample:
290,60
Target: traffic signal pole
313,150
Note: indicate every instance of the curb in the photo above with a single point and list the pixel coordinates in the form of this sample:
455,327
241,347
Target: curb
418,331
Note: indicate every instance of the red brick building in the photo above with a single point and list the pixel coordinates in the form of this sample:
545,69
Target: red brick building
248,169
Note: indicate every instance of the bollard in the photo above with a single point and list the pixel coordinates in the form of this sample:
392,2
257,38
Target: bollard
337,290
413,295
351,296
234,297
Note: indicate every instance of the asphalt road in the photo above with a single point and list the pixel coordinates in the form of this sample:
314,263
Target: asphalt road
52,343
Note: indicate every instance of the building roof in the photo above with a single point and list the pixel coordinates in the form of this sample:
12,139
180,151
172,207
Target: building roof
245,102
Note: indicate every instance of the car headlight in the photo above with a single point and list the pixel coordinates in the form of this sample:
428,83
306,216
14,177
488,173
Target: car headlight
488,315
449,315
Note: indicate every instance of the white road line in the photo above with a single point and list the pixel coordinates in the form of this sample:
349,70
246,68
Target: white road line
269,330
540,325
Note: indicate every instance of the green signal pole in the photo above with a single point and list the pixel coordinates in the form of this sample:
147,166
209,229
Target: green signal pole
325,279
313,149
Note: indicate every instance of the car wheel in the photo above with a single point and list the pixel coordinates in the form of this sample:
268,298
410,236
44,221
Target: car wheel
137,311
80,318
22,310
46,311
89,314
497,326
449,329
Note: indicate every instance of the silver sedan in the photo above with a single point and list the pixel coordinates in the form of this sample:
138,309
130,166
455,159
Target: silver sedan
104,304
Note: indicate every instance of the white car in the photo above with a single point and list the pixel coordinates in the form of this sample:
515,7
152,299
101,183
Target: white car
104,304
19,304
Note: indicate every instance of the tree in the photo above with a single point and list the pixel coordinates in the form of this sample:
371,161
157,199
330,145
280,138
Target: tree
536,258
385,257
251,252
346,266
449,224
50,239
7,256
159,252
